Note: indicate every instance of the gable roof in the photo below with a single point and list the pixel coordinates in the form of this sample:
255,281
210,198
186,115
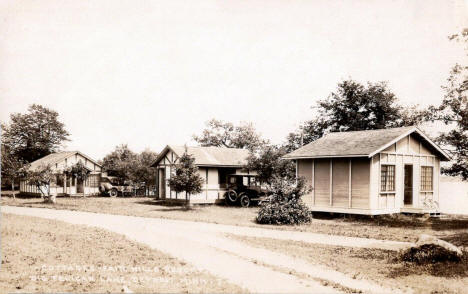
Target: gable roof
360,143
209,156
56,158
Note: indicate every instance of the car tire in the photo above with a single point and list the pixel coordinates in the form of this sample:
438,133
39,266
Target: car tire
244,200
113,193
231,197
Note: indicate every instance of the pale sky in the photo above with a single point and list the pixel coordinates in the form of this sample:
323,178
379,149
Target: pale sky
150,73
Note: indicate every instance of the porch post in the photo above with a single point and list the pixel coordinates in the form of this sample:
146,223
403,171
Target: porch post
64,183
350,183
331,182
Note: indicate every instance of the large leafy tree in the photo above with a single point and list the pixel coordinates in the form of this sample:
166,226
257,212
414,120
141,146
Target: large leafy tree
225,134
127,165
453,111
186,177
354,107
268,164
34,134
120,163
142,171
12,167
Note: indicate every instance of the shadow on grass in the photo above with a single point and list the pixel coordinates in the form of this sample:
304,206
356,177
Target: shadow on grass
399,221
399,268
447,269
457,239
20,196
167,206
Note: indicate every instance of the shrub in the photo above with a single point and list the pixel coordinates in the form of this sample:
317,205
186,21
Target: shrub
285,205
277,213
429,253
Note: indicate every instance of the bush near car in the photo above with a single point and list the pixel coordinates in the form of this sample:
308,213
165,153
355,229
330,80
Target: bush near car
291,212
284,205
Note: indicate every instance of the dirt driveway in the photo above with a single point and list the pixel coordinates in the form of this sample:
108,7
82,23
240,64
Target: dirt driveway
206,247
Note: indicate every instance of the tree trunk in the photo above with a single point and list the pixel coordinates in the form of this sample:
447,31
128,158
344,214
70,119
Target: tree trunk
13,188
187,198
40,190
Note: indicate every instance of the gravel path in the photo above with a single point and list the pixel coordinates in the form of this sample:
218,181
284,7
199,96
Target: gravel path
204,245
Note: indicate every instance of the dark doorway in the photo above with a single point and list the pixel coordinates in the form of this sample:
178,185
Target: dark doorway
79,186
162,183
408,193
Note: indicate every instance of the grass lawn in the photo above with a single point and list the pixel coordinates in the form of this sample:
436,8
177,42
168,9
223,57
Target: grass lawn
375,265
398,227
40,255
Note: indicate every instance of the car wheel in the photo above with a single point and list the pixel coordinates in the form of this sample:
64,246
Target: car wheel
231,197
244,200
113,193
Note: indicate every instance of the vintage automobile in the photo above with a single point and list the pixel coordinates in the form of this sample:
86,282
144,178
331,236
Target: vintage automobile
110,186
244,189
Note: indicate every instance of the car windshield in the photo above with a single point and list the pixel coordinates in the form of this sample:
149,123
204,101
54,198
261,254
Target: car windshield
244,180
253,181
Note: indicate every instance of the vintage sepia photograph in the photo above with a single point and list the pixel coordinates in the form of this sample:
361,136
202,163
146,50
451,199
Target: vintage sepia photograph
234,146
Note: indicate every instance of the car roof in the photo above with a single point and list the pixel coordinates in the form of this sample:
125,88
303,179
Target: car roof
243,175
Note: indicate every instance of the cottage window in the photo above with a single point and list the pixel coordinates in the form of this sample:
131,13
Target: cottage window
387,178
426,178
59,180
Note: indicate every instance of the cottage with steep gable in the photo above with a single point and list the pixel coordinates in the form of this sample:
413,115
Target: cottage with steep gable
371,172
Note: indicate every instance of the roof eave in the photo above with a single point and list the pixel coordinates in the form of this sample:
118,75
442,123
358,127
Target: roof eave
324,156
86,156
385,146
445,156
161,155
220,165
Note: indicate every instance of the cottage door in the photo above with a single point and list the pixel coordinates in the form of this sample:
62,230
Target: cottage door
79,186
162,183
408,193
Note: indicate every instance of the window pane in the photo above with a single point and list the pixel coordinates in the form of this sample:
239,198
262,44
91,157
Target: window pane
391,178
426,178
387,178
383,178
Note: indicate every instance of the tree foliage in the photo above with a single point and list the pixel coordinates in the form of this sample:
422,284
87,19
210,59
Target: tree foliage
268,163
120,163
225,134
185,177
127,165
355,107
41,177
78,170
285,205
34,134
12,167
453,111
143,172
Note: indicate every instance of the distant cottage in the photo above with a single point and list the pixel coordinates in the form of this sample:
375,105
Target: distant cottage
63,184
214,164
371,172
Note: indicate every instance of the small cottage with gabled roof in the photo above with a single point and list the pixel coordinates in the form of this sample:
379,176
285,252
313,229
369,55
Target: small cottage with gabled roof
214,164
371,172
63,184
